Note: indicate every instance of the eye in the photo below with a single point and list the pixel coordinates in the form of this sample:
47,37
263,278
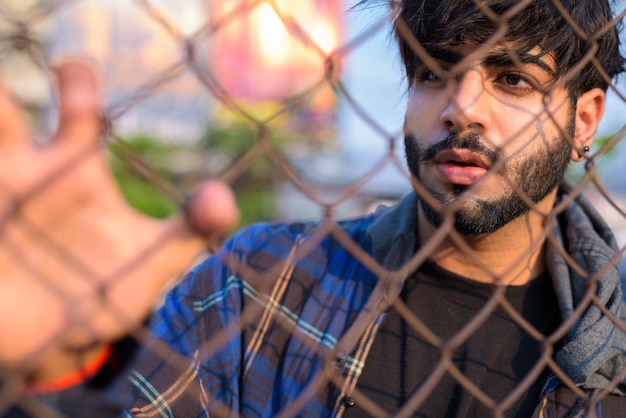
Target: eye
428,77
513,79
517,82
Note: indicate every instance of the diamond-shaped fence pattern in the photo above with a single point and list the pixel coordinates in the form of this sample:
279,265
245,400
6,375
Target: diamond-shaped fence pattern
174,68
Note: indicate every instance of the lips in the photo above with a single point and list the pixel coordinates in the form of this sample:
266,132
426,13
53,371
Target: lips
461,166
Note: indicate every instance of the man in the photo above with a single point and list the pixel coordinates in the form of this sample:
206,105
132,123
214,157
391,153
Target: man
491,290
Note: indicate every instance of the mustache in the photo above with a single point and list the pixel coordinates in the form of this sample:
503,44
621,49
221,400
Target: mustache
470,141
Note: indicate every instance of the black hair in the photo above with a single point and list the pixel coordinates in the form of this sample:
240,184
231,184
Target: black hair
441,24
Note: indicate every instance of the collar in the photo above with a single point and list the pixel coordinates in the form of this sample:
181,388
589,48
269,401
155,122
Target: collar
393,232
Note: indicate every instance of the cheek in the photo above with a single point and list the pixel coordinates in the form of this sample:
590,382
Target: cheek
558,119
423,114
539,118
520,128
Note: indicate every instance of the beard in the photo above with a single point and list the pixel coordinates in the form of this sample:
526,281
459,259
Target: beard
536,174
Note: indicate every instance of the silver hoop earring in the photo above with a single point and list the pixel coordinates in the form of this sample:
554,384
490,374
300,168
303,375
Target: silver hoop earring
582,152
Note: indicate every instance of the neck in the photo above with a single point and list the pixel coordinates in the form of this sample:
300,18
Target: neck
512,255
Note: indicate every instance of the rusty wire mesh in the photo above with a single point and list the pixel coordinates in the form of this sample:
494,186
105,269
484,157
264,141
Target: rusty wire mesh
26,38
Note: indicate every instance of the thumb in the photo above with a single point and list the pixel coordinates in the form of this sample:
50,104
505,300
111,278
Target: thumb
212,210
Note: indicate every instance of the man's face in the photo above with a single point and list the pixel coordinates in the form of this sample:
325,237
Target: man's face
485,136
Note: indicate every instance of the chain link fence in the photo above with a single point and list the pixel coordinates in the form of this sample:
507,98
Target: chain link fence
288,104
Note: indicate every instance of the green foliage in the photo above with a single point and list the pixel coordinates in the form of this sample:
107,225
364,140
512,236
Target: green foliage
600,142
233,139
576,171
254,188
139,192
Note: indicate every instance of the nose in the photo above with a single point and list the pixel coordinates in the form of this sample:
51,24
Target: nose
469,104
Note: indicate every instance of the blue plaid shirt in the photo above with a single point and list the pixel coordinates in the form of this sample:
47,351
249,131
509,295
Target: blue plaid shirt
281,319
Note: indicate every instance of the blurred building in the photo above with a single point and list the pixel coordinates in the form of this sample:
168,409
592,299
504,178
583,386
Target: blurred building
270,58
138,46
260,55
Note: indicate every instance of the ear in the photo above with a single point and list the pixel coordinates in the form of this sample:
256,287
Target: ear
589,111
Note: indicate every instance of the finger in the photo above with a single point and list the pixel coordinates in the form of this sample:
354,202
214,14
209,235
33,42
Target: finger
80,101
12,125
211,209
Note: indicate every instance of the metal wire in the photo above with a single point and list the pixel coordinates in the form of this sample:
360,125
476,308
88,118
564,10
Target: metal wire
25,34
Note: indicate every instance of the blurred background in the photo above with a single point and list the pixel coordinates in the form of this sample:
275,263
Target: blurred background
298,104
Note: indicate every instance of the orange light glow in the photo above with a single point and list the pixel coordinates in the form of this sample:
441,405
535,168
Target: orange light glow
275,49
274,41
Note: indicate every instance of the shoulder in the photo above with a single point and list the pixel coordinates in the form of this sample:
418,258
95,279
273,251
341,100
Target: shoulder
278,239
262,246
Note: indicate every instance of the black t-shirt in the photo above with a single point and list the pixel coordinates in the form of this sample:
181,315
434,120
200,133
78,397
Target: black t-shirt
496,356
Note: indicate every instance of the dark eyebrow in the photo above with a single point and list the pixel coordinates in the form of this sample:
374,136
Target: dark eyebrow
503,59
445,55
498,58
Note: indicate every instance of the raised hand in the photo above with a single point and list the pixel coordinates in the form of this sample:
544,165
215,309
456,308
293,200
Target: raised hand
78,266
